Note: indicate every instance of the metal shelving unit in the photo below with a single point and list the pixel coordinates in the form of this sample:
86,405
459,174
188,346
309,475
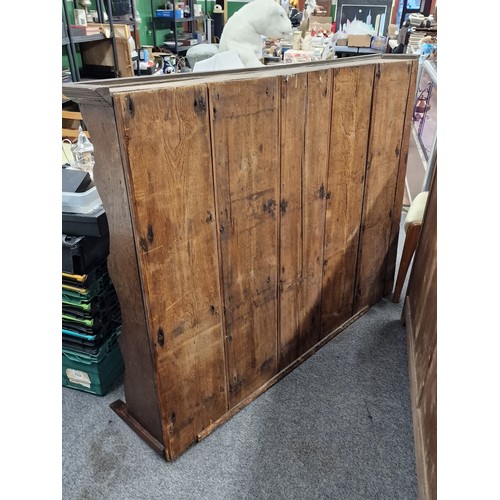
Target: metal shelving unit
191,20
131,22
135,33
70,41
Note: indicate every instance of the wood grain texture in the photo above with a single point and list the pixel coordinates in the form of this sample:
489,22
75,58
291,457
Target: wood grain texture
141,394
168,147
120,408
388,113
246,163
423,292
254,214
282,373
314,199
420,312
417,424
428,411
303,199
425,325
293,124
352,97
400,182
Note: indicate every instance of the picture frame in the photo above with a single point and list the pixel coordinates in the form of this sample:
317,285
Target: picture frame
372,13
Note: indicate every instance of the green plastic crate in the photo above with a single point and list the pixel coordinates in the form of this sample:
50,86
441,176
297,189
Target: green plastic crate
94,373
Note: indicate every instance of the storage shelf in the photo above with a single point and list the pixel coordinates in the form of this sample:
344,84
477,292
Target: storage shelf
161,23
180,19
75,40
89,38
128,22
182,48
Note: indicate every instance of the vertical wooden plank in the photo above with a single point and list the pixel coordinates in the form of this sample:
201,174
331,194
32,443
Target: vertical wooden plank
352,97
315,195
246,163
389,102
400,182
293,124
425,326
423,288
304,146
111,180
420,313
428,417
167,138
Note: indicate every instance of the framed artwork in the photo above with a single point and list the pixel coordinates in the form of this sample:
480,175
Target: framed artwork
371,13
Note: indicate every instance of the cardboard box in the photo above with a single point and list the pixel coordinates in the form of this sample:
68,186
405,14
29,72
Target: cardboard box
359,40
341,42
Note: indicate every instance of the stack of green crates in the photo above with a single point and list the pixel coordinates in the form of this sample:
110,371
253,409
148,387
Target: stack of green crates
91,324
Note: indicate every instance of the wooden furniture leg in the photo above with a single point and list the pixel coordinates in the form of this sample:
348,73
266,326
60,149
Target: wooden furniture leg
411,239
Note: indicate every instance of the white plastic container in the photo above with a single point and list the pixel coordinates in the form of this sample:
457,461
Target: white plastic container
81,203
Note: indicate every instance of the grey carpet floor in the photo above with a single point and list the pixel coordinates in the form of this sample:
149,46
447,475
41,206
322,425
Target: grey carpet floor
338,427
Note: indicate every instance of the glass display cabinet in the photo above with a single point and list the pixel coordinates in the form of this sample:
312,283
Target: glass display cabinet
425,116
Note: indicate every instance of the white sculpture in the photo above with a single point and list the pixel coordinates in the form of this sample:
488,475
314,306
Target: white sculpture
244,30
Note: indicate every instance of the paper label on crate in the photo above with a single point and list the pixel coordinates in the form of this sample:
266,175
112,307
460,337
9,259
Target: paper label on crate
78,377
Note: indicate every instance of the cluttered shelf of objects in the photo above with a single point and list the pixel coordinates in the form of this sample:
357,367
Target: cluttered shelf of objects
263,32
417,35
287,35
268,32
290,35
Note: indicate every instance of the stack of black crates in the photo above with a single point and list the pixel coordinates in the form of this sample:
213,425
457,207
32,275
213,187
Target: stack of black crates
91,318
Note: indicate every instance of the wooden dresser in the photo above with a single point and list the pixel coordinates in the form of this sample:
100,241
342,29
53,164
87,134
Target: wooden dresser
253,215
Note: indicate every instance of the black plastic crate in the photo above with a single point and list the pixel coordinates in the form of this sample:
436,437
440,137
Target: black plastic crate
94,223
80,254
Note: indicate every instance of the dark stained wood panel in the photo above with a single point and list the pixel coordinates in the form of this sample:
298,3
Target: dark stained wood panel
112,181
167,140
420,313
428,412
246,166
425,326
293,122
352,98
388,113
424,291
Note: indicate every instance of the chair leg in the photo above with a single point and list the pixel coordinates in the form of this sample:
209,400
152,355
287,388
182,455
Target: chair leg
411,240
